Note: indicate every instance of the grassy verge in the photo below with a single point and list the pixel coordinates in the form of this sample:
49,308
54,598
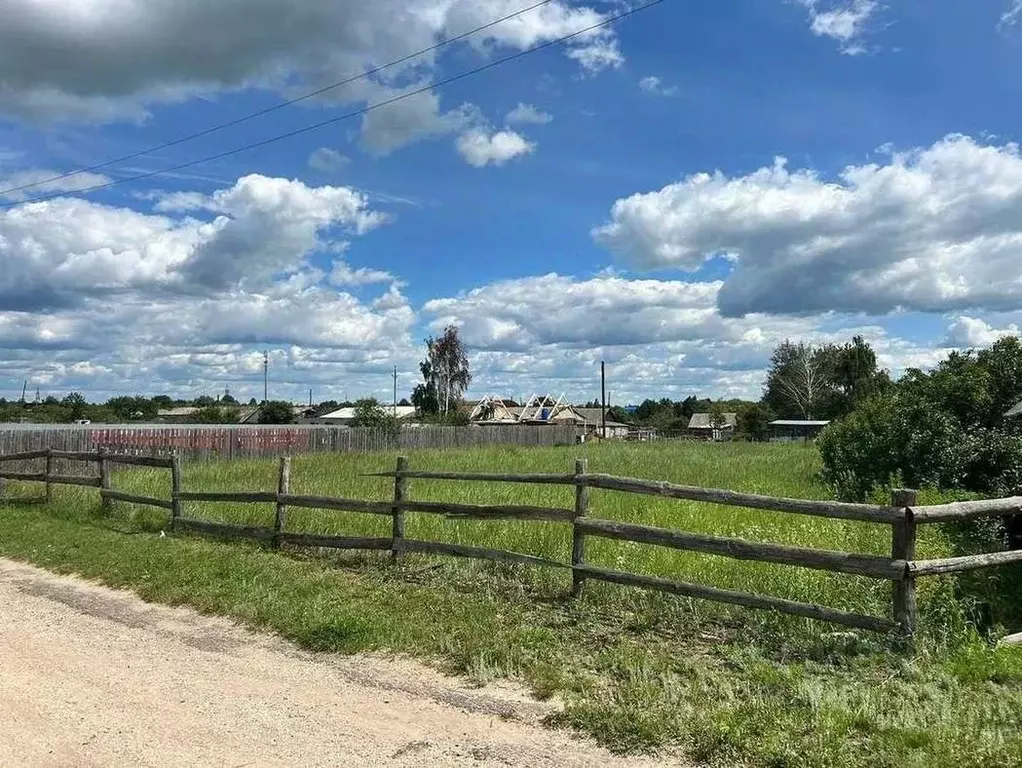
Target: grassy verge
637,671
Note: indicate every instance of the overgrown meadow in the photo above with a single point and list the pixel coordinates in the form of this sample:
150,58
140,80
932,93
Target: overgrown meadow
636,670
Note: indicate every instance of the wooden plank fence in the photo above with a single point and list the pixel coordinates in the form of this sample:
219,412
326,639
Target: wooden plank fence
903,516
227,442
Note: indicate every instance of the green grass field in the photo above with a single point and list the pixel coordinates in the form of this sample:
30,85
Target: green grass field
639,671
780,470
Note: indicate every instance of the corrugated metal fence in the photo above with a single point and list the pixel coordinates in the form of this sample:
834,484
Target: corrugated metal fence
196,442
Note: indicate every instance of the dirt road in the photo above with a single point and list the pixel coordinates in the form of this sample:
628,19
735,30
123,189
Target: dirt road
92,676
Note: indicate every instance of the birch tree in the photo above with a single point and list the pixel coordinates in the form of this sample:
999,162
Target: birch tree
798,380
449,368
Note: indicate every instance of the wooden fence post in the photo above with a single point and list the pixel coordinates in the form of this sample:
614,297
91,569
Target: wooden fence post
903,547
283,488
49,471
104,478
400,494
578,537
175,489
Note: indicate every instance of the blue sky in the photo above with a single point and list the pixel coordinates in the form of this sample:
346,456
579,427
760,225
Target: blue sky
675,193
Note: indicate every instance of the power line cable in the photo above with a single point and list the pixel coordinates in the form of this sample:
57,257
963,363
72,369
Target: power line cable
274,108
348,115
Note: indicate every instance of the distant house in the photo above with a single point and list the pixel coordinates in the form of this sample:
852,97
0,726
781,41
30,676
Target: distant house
343,417
540,411
592,423
180,414
795,429
700,426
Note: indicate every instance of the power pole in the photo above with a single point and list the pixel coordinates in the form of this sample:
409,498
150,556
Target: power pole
395,391
310,397
266,377
603,396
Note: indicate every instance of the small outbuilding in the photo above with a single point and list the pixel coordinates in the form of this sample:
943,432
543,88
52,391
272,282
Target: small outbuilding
701,425
783,430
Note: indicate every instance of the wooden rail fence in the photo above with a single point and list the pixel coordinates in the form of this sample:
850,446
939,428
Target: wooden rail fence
903,516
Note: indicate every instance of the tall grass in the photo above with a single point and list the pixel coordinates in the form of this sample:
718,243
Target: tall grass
636,670
780,470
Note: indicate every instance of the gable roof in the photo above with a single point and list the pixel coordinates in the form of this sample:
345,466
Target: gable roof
342,414
702,421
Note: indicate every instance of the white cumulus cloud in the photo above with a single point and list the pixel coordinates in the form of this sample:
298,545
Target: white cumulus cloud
933,229
480,147
527,113
100,60
654,85
973,333
327,160
845,21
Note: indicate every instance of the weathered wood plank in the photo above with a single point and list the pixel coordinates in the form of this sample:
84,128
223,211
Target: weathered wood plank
104,478
91,456
832,509
807,610
85,482
34,477
964,563
485,477
903,547
23,456
397,525
967,510
49,475
224,530
131,498
578,538
482,512
283,486
741,549
334,542
1015,639
175,491
461,550
246,497
341,505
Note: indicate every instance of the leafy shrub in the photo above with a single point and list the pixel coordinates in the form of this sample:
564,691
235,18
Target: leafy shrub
891,439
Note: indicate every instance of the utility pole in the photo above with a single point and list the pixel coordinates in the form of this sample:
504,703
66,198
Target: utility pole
603,396
395,391
24,389
310,397
266,377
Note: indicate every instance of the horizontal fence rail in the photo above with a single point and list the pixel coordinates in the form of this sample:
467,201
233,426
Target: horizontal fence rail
715,594
967,510
840,562
902,516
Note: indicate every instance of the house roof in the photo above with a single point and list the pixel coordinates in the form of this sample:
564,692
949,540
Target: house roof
342,414
177,413
798,423
702,421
